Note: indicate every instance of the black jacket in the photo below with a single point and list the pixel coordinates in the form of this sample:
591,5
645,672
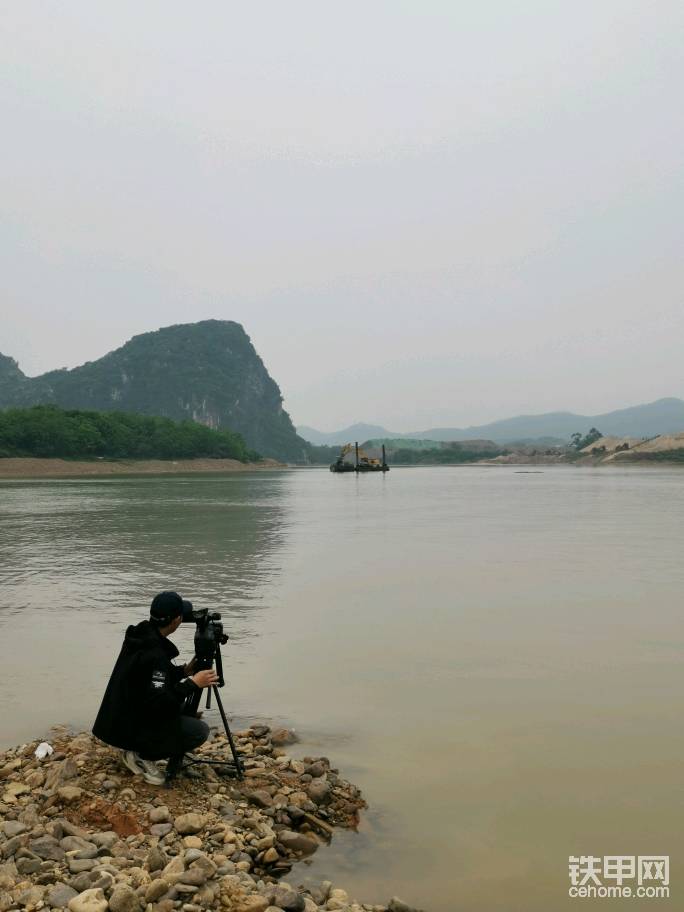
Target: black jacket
141,708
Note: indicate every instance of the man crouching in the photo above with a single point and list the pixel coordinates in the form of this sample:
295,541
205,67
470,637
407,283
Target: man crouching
141,711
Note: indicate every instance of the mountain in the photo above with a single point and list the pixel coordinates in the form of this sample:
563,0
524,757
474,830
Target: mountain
665,416
208,372
347,435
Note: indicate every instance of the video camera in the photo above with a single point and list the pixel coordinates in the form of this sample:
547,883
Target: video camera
208,636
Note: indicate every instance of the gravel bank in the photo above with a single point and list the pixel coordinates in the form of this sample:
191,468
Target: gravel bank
60,468
78,832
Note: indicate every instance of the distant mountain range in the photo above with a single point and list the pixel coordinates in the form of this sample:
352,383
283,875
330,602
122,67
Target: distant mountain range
665,416
207,371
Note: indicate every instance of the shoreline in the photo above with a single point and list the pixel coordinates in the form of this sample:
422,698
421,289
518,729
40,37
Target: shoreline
79,832
34,467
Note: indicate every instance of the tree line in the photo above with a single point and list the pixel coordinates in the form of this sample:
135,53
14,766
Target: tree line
49,431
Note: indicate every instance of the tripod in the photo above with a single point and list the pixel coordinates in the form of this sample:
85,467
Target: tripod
232,767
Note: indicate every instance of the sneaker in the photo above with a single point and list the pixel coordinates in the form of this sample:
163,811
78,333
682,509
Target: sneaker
145,768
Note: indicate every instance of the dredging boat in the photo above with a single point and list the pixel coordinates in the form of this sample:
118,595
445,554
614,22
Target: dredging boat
362,462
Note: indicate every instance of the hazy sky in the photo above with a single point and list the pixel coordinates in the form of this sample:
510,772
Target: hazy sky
422,212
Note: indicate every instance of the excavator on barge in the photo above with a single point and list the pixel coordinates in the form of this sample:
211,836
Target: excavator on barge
362,462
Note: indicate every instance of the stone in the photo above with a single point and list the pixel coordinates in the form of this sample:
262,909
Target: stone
283,736
31,897
297,842
160,814
76,844
13,790
397,905
192,842
253,903
286,897
189,824
13,828
124,899
106,840
156,890
61,773
70,793
261,798
81,882
317,769
175,866
319,791
6,901
28,865
109,785
88,901
127,794
156,859
79,865
270,855
48,848
60,895
161,829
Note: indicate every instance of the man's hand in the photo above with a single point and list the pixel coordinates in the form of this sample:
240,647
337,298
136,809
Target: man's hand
205,678
190,667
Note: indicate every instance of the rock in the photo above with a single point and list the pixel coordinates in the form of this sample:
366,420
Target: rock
319,791
259,730
12,845
105,840
48,848
193,876
192,842
253,903
76,844
261,798
70,793
31,898
283,736
175,866
124,899
60,896
13,828
156,859
79,865
189,824
397,905
297,842
156,890
161,829
6,901
270,855
28,865
81,882
88,901
61,773
316,769
160,814
13,790
286,897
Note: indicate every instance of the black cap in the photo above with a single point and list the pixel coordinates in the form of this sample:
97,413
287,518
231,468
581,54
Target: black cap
166,607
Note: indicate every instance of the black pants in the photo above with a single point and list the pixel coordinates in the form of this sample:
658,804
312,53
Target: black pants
193,732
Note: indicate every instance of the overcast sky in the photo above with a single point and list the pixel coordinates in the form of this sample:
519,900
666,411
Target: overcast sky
423,213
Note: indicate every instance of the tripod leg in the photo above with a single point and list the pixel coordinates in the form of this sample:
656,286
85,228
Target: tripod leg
233,749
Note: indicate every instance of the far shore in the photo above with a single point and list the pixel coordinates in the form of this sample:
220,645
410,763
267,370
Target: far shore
29,467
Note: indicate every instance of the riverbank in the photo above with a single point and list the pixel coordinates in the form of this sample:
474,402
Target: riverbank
29,467
79,832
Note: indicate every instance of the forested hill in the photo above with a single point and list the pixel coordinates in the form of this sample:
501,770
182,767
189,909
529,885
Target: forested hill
208,372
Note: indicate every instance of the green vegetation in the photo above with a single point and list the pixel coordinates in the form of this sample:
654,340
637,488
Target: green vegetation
48,431
207,372
675,455
321,455
579,442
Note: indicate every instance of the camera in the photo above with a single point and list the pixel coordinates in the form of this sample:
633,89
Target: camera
209,634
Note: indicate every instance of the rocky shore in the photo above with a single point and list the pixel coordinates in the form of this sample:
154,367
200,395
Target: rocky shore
78,832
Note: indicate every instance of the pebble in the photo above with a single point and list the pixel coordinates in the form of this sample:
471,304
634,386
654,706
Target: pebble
160,814
70,793
189,824
124,899
88,901
60,895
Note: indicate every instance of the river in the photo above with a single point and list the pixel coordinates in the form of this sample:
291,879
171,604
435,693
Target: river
493,655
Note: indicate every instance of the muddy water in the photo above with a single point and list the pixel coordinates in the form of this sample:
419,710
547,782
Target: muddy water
495,656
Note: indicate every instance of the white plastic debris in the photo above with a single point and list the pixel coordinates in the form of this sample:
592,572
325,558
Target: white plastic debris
44,750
